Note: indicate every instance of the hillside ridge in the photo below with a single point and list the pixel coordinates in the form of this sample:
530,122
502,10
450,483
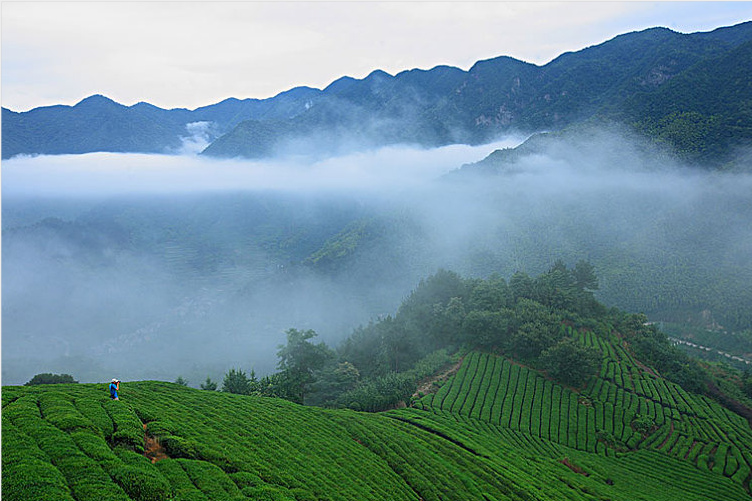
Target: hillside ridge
439,106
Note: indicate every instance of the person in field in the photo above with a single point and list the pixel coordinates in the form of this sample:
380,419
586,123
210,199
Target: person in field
114,387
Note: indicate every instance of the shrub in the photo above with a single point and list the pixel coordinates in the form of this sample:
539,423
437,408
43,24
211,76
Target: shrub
570,362
48,378
269,493
237,382
179,447
643,424
129,429
142,484
209,385
33,479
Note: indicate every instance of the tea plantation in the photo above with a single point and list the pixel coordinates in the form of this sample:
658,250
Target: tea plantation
496,430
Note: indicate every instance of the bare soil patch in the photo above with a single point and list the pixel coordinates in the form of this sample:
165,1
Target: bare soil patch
566,462
153,449
427,385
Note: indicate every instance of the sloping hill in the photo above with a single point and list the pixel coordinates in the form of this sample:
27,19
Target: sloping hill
495,431
605,417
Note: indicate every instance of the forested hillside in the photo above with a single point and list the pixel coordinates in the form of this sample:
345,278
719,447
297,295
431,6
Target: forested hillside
98,123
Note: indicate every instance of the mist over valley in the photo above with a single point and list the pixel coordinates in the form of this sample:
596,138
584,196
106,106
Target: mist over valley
157,266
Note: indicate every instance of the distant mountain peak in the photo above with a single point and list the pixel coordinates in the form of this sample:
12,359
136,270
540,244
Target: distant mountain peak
378,74
620,79
340,83
498,62
97,100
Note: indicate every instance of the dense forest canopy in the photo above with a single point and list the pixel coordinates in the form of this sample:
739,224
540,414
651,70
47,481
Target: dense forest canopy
531,320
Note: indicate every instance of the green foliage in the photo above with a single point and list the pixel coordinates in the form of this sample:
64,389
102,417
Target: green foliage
530,319
496,428
299,358
139,479
487,329
48,378
343,244
379,393
236,381
653,347
209,385
129,430
331,381
643,424
491,444
570,362
181,381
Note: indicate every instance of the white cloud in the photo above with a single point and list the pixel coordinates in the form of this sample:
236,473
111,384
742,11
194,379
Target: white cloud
105,174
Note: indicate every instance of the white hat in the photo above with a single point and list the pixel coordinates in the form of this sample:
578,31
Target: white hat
114,380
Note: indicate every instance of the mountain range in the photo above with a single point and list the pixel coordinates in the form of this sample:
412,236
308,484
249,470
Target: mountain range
689,91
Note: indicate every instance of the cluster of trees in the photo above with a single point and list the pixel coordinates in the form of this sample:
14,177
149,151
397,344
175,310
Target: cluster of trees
49,378
652,347
379,365
522,318
528,319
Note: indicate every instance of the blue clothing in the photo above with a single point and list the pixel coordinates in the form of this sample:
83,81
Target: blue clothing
113,391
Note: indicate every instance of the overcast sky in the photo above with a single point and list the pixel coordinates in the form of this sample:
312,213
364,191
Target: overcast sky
190,54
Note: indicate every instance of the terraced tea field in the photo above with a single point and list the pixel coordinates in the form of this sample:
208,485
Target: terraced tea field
689,428
496,430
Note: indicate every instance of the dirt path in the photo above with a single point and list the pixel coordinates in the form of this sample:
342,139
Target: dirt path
694,443
153,449
671,432
639,364
566,462
427,385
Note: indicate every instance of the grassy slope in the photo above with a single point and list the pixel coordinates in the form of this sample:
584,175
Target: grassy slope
492,432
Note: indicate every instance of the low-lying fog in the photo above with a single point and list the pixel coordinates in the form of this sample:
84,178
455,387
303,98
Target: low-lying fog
149,266
97,174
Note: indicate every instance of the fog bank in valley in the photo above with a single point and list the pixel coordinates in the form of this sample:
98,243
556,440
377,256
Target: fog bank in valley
148,266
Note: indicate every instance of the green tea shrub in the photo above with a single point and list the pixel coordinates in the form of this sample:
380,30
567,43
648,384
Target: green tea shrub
179,447
142,484
58,409
216,456
24,408
88,480
210,479
150,485
180,482
731,466
146,415
129,430
195,495
92,410
246,479
18,446
93,446
32,478
270,493
162,427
